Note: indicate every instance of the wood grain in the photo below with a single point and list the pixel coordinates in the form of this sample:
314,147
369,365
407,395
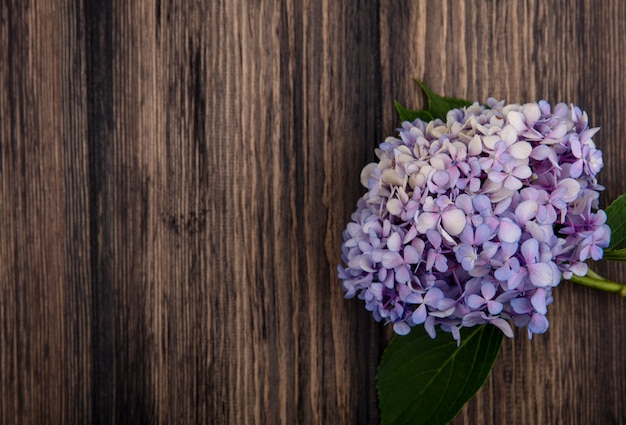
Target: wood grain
175,178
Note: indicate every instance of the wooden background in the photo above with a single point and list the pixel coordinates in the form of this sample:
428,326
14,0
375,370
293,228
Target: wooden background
175,177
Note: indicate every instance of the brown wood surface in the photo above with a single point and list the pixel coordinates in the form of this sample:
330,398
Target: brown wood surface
175,177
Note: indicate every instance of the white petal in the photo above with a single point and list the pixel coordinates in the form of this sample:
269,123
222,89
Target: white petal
509,231
509,135
437,163
394,206
520,150
531,112
391,176
490,141
511,183
426,221
526,211
516,119
368,171
394,242
573,188
475,146
453,221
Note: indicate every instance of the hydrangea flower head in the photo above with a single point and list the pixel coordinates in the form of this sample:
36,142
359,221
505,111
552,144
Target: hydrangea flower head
474,220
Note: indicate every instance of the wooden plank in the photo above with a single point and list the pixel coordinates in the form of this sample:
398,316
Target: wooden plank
171,212
45,314
175,178
216,111
525,51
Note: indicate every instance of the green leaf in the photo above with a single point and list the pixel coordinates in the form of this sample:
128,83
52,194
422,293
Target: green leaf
615,255
438,106
411,115
616,219
427,381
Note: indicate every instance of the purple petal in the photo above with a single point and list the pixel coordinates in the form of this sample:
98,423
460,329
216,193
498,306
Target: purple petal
441,263
441,178
489,250
497,176
521,305
443,313
376,289
474,318
579,268
482,234
530,250
515,280
413,297
390,281
475,301
538,301
403,275
419,315
502,206
494,307
481,203
429,326
410,235
446,304
401,328
576,169
433,296
430,259
488,290
355,262
419,245
508,249
540,274
538,324
504,326
576,147
411,256
367,264
522,172
542,152
464,203
391,260
597,253
468,262
503,273
434,237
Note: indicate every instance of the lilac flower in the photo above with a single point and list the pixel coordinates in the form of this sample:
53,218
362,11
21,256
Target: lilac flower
474,220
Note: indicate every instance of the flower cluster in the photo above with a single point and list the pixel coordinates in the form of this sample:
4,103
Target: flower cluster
475,220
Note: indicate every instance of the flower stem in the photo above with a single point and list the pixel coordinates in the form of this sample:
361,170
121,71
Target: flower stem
594,275
594,280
